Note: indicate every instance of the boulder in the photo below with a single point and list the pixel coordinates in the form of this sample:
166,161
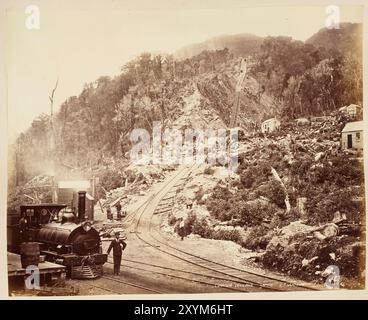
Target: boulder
286,233
302,121
319,156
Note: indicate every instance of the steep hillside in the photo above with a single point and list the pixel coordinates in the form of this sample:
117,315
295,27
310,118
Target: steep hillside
291,189
346,39
92,130
285,78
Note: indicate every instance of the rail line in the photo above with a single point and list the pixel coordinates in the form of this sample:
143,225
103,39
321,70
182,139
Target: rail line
116,280
260,281
161,202
180,270
161,195
230,286
128,221
132,285
272,282
104,289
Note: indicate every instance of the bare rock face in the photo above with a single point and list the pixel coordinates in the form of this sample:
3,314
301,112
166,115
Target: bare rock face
218,94
197,114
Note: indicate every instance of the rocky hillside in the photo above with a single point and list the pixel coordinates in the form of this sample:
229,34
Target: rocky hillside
286,78
297,202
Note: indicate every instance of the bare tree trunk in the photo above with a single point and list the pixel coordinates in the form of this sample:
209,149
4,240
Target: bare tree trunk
52,144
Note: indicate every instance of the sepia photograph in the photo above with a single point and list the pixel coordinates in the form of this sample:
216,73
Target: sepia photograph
184,147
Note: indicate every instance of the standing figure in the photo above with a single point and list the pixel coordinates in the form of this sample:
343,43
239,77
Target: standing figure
118,211
23,224
118,246
181,229
189,205
109,214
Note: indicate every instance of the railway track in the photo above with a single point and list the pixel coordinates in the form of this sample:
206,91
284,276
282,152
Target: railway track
204,279
190,276
117,283
203,271
231,284
264,281
167,195
130,218
150,290
252,280
129,221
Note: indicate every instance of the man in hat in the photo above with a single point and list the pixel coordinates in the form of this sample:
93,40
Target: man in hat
118,246
118,211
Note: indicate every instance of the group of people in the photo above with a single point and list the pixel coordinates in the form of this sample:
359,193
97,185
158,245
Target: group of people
119,213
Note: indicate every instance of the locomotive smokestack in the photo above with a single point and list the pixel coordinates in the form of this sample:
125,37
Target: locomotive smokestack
81,205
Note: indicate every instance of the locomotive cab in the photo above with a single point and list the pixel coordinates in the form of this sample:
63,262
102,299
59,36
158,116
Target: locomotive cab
35,216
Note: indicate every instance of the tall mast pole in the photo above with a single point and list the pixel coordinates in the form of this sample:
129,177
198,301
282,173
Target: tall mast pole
51,97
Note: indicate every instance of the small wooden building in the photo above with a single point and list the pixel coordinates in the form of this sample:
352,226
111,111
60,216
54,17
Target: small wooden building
352,135
270,125
352,109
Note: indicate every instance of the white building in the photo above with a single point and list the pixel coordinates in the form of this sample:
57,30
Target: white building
352,135
270,125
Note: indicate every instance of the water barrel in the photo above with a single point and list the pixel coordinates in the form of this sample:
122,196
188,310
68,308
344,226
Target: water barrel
29,254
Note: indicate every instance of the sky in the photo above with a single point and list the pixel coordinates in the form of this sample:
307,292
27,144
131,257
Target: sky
78,43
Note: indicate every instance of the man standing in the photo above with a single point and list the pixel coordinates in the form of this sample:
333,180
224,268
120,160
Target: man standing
109,214
117,245
118,211
182,229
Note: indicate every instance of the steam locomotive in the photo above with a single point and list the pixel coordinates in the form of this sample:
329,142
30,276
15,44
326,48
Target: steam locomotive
65,237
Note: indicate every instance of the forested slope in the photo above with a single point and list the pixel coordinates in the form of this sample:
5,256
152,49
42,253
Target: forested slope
286,78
